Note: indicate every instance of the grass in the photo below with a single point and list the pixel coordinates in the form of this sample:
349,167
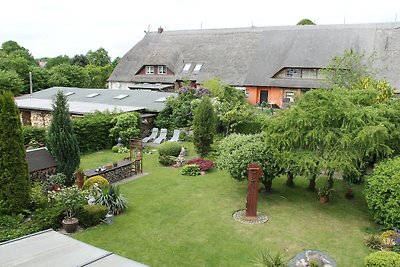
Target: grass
174,220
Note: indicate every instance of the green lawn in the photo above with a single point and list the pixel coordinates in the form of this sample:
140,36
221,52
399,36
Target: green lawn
174,220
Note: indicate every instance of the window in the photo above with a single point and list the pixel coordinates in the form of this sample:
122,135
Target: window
162,70
119,97
309,74
293,73
197,67
92,95
187,67
289,95
149,69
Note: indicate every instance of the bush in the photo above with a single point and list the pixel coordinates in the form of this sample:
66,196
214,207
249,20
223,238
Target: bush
264,259
110,197
167,160
91,215
99,180
92,131
204,125
382,192
115,149
33,133
388,239
49,217
373,242
190,170
382,259
204,164
58,178
38,196
169,149
13,227
248,127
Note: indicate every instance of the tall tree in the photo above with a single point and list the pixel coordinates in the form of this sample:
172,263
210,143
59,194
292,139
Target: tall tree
99,57
68,76
79,60
204,123
10,81
14,176
62,141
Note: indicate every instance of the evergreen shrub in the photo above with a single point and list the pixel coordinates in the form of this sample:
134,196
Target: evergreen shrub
32,133
91,215
167,160
169,149
190,170
98,179
382,259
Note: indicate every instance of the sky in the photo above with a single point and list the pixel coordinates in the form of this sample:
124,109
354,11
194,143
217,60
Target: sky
49,28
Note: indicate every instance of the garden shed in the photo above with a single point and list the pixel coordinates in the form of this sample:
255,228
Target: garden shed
50,248
40,164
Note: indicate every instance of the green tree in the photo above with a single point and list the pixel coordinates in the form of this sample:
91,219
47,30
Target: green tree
55,61
40,78
126,126
79,60
14,176
99,57
68,76
305,22
98,75
10,81
62,141
204,127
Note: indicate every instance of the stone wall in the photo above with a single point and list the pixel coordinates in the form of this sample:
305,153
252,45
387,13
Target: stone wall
40,118
121,171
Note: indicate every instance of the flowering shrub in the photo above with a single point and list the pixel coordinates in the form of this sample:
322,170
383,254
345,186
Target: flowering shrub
204,164
196,92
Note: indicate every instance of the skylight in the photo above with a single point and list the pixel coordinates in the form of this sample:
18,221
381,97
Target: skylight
187,67
69,93
198,67
160,100
92,95
119,97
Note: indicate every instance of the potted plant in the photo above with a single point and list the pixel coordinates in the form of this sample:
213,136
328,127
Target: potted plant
324,194
115,164
57,181
71,200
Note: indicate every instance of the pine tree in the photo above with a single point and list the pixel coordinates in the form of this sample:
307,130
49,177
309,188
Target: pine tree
14,175
62,141
204,123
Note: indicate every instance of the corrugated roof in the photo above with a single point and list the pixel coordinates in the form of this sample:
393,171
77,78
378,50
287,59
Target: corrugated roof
39,159
79,103
49,248
252,56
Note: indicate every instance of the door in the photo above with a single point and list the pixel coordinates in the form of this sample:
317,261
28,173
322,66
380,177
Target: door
264,97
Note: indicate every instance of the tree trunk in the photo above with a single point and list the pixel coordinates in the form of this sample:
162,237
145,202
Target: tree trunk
330,179
311,185
267,185
289,181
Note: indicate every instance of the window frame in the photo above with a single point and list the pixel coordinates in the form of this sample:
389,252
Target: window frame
163,68
149,70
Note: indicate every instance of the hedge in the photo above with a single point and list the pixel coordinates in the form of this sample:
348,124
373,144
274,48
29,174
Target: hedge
382,259
33,133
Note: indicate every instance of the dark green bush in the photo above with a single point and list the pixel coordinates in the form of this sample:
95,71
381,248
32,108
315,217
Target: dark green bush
382,259
13,227
248,127
382,192
167,160
91,215
190,170
169,149
92,131
49,217
33,133
38,196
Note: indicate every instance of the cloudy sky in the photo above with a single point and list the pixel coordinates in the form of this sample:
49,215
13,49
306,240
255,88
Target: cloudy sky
52,27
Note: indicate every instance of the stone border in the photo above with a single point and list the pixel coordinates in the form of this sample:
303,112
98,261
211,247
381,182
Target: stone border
240,216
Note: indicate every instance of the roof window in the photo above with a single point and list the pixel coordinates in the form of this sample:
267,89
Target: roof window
160,100
187,67
197,67
119,97
69,93
92,95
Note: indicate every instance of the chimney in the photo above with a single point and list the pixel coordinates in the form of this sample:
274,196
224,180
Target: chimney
160,30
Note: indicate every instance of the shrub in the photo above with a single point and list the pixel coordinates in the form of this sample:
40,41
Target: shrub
13,227
38,196
92,131
204,125
110,197
190,170
388,238
58,178
49,217
382,259
99,180
373,242
248,127
91,215
382,192
204,164
126,125
264,259
115,149
33,133
169,149
167,160
71,200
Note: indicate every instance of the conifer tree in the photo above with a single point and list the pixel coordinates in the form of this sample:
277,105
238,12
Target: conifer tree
14,175
62,141
204,123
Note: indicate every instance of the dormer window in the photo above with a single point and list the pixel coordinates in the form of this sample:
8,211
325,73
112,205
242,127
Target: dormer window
149,69
162,69
293,73
186,67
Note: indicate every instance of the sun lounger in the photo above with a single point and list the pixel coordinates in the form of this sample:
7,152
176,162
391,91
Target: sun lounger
151,137
175,136
162,137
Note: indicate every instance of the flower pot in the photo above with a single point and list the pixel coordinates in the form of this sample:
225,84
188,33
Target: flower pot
70,225
323,200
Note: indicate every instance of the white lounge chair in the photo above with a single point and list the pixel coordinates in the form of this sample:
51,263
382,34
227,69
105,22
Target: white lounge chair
161,137
152,136
175,136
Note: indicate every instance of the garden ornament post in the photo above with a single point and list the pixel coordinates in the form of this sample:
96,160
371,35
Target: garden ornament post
254,174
